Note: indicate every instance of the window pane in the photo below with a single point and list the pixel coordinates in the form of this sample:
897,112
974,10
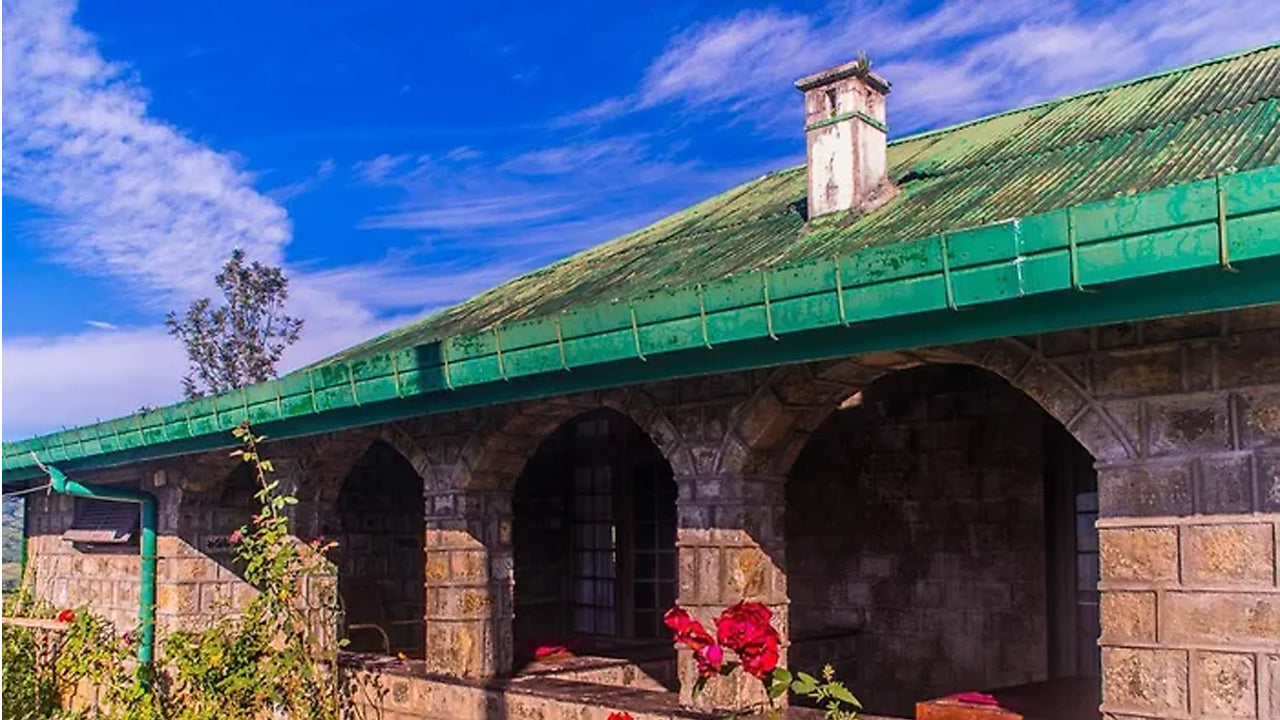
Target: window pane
645,595
667,566
646,623
666,596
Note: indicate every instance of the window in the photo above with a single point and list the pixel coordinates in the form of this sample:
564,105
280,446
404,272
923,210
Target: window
594,537
594,551
100,522
654,548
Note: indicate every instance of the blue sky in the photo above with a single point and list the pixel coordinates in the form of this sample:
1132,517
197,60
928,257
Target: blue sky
397,157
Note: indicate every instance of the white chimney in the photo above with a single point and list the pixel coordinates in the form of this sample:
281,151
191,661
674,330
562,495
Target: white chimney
845,138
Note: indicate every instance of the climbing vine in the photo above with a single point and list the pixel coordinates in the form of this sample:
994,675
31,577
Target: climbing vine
276,658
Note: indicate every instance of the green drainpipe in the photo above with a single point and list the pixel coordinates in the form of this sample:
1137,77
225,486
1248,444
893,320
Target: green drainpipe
147,592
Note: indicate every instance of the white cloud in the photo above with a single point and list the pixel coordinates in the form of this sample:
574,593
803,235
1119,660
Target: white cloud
578,157
961,59
323,172
463,214
376,171
48,381
132,198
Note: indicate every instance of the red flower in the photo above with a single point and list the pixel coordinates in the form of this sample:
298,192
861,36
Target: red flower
760,659
543,652
620,716
691,633
129,639
687,631
745,629
66,616
236,536
710,660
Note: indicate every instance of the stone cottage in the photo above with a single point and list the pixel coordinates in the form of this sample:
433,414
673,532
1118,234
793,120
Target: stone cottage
992,407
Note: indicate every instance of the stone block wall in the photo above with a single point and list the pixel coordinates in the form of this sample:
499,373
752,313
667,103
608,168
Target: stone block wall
69,576
1188,506
1182,416
916,524
1191,622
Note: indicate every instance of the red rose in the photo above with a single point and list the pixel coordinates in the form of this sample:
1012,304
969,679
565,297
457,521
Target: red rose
710,660
760,659
745,629
744,624
620,716
691,633
66,616
687,631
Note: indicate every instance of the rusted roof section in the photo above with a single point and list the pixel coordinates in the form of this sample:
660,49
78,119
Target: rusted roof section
1160,130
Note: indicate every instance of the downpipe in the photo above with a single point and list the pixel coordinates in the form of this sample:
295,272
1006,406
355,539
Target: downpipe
60,483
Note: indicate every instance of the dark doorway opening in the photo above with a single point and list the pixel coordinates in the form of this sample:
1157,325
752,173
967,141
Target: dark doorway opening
381,562
594,543
940,539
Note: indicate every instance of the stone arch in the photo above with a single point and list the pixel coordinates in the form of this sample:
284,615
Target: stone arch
769,430
493,459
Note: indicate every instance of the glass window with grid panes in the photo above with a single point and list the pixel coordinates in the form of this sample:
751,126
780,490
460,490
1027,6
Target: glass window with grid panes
622,510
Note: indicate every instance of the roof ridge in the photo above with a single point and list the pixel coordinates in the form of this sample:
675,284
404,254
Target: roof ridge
1086,93
1127,132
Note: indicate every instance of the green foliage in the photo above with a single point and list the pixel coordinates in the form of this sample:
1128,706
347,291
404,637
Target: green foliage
828,693
30,680
240,342
280,654
276,658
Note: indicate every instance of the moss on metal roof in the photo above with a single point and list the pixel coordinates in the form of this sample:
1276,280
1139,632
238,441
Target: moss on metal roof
1151,132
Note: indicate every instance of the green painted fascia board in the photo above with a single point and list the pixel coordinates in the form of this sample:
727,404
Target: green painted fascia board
1232,220
1156,296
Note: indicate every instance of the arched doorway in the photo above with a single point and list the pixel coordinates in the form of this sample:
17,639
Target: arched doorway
378,522
594,546
940,539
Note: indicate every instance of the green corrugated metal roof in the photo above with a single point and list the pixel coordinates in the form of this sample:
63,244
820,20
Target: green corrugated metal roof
1161,130
1146,190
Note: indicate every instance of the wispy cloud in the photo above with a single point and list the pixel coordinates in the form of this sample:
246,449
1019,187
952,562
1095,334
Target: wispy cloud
961,59
544,202
132,198
323,172
376,171
463,214
127,196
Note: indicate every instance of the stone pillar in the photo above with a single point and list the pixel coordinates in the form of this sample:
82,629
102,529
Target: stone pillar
731,545
1188,527
469,583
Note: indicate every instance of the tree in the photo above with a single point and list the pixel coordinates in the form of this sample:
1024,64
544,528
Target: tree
240,342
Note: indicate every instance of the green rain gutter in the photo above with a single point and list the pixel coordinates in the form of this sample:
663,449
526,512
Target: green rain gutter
60,483
1208,245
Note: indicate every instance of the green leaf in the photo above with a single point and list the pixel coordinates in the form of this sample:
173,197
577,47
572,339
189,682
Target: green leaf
804,684
841,693
699,685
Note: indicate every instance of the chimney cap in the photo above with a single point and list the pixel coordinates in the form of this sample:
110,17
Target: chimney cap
840,72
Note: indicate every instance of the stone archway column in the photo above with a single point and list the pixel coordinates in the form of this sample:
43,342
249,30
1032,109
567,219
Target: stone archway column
469,583
731,547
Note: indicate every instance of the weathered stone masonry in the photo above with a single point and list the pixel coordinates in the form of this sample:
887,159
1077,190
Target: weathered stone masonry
1182,417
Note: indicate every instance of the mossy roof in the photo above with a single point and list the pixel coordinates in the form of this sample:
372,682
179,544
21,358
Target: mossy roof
1173,127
